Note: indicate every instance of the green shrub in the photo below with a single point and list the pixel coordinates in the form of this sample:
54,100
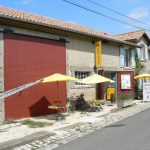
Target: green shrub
102,102
125,96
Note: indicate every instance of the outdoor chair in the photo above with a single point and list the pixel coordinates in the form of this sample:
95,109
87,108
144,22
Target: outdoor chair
59,107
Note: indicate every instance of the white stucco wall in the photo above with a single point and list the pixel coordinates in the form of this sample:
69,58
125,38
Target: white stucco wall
81,57
81,53
110,55
2,109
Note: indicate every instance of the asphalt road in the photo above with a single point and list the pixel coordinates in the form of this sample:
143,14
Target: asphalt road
132,133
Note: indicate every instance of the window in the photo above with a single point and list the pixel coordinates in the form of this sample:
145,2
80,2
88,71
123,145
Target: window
127,58
81,75
142,53
149,54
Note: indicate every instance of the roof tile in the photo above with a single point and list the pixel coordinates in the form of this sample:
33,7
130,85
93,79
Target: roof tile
34,18
135,35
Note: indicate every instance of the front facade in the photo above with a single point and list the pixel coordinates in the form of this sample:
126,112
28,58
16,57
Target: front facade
142,39
31,50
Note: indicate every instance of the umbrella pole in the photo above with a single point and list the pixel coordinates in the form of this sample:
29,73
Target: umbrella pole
57,92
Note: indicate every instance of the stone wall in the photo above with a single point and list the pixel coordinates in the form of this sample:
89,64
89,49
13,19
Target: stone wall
2,110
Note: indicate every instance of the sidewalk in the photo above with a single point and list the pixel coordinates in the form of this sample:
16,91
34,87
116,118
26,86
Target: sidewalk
74,125
14,131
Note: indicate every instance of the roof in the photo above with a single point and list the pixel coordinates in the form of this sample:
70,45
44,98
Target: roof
132,36
18,15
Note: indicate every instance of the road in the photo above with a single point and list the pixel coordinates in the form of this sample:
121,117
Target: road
132,133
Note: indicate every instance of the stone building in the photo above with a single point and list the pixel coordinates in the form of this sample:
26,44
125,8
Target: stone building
33,47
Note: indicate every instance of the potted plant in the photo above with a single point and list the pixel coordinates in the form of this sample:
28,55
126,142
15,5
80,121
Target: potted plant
125,99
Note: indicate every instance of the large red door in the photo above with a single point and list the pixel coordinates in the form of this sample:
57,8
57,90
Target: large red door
28,59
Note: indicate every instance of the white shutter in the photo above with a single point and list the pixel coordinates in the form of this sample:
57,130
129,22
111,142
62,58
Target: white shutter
146,52
132,58
122,57
139,52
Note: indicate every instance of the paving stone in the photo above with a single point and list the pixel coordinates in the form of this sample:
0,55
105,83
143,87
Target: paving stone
81,129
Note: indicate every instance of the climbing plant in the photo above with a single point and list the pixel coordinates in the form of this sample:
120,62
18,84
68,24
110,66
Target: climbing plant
139,66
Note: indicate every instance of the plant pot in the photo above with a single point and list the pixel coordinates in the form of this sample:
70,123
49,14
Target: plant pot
125,103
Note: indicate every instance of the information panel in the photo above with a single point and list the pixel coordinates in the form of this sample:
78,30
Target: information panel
146,91
125,81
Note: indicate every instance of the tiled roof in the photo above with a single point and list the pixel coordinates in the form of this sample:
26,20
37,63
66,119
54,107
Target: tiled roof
45,21
130,36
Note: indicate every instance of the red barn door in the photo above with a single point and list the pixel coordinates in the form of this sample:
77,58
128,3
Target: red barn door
28,59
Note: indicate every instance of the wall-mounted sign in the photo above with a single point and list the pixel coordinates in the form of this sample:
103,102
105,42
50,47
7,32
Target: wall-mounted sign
98,54
146,91
125,81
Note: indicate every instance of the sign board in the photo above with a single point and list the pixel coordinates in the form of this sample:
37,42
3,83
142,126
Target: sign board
146,91
125,81
98,54
110,91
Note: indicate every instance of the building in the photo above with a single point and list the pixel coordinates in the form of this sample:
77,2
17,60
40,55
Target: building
33,47
141,38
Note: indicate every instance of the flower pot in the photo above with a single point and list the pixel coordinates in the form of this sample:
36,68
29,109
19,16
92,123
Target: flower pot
125,103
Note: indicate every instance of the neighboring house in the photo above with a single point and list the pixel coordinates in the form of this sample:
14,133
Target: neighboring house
33,47
141,38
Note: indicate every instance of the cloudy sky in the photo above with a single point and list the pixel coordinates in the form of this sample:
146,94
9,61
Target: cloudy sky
59,9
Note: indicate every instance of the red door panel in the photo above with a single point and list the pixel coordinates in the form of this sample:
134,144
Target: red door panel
28,59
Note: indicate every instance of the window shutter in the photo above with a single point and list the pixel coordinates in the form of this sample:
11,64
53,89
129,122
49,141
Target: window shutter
146,52
139,52
122,57
132,58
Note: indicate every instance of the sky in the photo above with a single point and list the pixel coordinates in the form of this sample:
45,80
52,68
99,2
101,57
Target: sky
60,10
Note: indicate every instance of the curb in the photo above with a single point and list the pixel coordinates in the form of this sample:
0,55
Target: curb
8,145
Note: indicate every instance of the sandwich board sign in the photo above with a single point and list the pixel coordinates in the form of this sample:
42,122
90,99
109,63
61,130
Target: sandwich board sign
146,91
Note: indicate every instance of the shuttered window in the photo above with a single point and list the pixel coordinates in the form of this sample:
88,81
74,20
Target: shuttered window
122,57
127,57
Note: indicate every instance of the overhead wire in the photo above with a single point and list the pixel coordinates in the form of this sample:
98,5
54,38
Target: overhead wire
100,5
104,15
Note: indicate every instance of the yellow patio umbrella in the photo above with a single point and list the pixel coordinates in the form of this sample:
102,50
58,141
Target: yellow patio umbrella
93,79
142,76
58,78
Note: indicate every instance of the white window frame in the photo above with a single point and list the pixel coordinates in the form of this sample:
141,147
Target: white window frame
127,58
81,75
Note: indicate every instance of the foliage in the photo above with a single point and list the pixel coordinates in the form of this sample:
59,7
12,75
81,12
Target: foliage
94,103
102,102
71,104
80,103
35,124
10,121
139,65
126,96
